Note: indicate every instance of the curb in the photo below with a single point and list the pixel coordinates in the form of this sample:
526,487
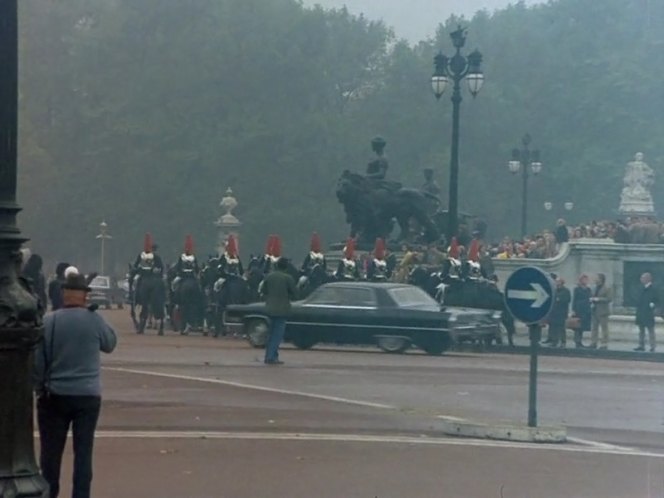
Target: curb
453,426
569,352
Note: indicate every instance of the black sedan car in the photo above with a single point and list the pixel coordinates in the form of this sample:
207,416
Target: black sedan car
393,316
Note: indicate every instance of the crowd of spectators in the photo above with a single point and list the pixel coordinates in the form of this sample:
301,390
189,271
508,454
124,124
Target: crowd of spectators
546,244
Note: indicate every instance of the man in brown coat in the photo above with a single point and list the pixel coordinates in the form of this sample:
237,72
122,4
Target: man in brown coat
600,302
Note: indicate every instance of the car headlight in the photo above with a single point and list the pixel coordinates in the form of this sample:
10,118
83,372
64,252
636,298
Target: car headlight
497,315
453,319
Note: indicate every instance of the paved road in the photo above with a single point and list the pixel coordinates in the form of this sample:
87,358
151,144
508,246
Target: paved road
190,417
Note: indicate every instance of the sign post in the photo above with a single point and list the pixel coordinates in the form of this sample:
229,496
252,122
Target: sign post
529,297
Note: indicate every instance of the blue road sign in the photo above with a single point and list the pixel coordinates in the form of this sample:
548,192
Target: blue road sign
529,294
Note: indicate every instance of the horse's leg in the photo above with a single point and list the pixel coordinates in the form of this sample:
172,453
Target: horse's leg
143,318
161,320
185,311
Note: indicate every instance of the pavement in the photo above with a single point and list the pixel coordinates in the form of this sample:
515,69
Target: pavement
197,417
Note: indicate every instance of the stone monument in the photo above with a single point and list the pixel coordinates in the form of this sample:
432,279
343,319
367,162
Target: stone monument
227,223
636,199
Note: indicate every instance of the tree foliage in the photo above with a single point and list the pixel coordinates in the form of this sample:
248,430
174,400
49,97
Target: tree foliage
142,113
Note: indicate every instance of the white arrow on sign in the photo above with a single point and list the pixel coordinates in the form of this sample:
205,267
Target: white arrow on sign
538,295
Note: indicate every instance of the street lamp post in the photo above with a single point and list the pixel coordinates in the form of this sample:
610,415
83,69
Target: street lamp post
20,320
103,237
456,68
525,160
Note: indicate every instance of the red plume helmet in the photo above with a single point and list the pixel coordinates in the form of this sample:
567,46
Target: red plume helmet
316,245
231,246
189,245
147,243
349,250
276,247
379,249
474,251
453,251
270,245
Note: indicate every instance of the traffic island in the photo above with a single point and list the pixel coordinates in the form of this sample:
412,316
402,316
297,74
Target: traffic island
453,426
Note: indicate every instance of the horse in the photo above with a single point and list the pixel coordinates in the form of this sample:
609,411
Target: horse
316,277
429,281
150,295
190,302
233,290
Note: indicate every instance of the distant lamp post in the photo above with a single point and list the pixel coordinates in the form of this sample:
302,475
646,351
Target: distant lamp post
455,69
227,223
20,321
103,237
568,206
525,161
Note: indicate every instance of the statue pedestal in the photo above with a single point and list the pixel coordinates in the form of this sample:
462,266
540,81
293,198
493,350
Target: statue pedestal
637,208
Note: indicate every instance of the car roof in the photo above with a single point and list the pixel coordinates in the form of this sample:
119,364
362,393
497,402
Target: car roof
375,285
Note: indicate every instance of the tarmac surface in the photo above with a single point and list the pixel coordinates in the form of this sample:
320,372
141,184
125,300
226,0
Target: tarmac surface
197,417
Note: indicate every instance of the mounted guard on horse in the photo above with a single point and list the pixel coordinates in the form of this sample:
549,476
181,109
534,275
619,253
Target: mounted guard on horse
313,272
147,286
348,269
230,287
381,266
187,292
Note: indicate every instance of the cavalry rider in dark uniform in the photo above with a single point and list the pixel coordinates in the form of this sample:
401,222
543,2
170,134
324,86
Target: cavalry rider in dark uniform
147,263
473,269
230,263
348,268
273,253
378,269
187,265
315,256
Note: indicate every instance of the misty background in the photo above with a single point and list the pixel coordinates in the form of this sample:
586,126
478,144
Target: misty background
415,20
142,112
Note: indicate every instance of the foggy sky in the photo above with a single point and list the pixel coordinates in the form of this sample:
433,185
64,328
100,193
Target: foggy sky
414,20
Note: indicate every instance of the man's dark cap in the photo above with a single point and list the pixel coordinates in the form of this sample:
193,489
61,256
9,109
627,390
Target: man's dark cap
76,282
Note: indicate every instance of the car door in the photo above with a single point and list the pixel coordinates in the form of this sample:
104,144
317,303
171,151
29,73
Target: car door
316,315
356,315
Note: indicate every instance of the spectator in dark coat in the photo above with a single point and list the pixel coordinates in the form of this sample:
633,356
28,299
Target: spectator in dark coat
55,286
645,313
581,309
561,233
558,317
279,290
32,272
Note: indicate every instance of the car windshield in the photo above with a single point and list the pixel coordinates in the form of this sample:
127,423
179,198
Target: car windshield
411,296
103,282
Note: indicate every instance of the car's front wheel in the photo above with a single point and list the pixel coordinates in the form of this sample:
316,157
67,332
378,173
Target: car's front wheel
257,332
393,344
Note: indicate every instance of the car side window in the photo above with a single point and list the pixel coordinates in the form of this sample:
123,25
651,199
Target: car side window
357,296
324,296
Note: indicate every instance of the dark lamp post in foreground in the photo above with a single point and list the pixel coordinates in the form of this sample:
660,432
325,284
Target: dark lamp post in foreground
455,69
525,161
20,321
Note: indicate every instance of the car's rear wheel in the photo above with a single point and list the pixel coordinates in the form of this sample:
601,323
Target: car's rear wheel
393,344
436,346
257,332
303,341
